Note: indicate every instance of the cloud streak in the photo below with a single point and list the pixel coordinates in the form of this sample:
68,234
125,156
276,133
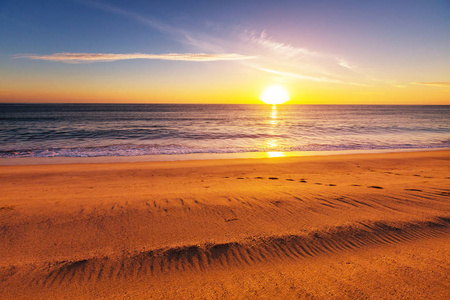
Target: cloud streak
343,63
310,78
281,48
437,84
105,57
153,23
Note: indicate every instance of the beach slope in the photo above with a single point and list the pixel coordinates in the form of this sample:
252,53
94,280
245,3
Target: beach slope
344,227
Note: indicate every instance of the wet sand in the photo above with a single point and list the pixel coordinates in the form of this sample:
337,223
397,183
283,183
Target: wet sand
349,226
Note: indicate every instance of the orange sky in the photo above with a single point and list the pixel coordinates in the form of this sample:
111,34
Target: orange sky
245,92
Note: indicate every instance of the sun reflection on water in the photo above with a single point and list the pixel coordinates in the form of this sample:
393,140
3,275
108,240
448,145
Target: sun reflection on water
275,154
272,143
273,115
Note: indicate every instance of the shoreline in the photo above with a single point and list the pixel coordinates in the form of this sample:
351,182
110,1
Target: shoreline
194,156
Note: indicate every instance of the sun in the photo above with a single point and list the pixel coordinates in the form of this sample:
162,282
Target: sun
274,95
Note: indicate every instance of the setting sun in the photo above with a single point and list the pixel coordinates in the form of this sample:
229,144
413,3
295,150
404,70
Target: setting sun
274,94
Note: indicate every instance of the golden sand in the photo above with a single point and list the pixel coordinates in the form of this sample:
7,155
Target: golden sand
358,226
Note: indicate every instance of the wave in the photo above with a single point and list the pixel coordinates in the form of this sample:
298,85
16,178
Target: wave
172,149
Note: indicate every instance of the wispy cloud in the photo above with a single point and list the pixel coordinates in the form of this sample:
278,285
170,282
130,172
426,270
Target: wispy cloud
103,57
345,64
297,76
311,78
151,22
437,84
281,48
289,50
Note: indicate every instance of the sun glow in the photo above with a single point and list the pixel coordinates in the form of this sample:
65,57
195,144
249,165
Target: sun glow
274,95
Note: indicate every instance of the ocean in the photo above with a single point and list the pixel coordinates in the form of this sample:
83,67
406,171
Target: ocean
96,130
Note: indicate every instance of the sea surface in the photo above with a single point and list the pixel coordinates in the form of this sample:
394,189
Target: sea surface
94,130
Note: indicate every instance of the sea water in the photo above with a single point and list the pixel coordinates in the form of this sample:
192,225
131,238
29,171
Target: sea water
94,130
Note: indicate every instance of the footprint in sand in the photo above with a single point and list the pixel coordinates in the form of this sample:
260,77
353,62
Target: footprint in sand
303,181
232,219
318,183
331,184
375,187
356,185
413,190
9,207
240,178
273,178
289,179
259,177
276,202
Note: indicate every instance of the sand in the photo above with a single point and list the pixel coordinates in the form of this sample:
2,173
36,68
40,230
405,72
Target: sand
363,226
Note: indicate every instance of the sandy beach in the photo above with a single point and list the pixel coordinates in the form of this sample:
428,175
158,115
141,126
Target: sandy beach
362,226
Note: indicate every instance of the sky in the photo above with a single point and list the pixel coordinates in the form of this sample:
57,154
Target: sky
322,52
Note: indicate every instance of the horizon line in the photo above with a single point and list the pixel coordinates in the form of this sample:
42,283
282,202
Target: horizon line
196,103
